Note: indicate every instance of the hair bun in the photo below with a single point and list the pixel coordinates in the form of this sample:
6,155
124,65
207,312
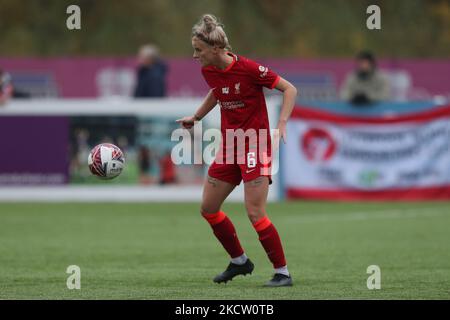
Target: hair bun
210,22
210,30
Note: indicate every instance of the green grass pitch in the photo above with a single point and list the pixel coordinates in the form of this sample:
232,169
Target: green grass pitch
167,251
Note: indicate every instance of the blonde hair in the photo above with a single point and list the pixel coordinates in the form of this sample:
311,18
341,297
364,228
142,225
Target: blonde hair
210,30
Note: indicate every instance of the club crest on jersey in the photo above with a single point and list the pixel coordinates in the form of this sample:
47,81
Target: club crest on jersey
237,88
263,71
225,90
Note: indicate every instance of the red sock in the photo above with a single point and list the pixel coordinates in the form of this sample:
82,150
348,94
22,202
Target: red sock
224,231
270,240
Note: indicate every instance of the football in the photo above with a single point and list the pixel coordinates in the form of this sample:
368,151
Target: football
106,161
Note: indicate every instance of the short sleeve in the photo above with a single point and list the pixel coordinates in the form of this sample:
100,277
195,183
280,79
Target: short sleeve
262,75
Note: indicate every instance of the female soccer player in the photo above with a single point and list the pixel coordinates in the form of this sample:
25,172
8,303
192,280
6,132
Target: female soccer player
237,86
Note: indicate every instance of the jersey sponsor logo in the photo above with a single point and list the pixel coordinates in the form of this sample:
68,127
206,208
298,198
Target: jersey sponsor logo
237,88
225,90
248,171
231,104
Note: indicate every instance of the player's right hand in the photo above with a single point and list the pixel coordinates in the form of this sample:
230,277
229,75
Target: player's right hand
186,122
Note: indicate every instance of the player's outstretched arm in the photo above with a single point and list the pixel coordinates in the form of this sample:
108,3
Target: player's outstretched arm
289,97
208,104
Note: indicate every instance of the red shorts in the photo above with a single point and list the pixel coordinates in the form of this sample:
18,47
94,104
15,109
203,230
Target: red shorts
234,173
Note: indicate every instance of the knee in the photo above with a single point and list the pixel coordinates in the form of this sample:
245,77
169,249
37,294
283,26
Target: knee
205,209
255,212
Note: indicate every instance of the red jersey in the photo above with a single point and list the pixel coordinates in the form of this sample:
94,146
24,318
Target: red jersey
239,92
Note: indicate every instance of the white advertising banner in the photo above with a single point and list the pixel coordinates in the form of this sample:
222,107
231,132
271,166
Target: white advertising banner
331,156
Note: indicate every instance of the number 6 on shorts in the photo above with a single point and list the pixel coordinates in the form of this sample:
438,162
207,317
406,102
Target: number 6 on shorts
251,160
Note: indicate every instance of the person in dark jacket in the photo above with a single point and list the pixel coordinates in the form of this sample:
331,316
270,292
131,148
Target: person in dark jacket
151,73
366,85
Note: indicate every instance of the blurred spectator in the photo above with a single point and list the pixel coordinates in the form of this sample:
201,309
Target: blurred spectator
167,169
79,153
122,143
366,84
151,73
145,165
6,87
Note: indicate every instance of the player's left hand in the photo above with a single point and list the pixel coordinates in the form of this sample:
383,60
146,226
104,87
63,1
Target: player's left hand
282,130
280,133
